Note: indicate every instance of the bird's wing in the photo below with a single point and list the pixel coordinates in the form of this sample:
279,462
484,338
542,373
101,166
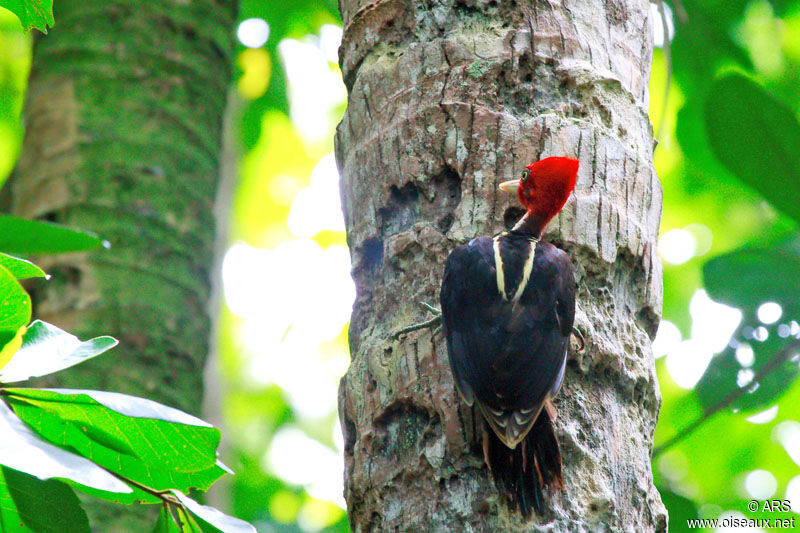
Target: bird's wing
468,292
509,356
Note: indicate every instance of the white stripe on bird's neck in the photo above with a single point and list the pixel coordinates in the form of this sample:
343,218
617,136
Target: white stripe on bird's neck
521,222
526,271
500,269
498,266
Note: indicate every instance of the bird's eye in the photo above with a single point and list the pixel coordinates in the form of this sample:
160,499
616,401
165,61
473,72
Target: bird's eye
524,176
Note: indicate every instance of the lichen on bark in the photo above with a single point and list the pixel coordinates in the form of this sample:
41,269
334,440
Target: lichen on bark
123,123
446,99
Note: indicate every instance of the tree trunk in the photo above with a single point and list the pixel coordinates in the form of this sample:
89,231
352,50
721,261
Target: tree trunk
446,99
124,115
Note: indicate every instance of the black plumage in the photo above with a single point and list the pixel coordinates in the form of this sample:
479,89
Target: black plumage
507,319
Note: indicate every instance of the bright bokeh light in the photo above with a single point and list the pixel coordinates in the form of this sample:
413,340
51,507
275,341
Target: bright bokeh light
793,493
315,87
712,326
330,37
764,417
703,238
296,365
712,323
687,363
744,377
667,338
658,25
298,284
760,334
256,69
317,207
745,355
677,246
293,299
761,34
253,32
315,515
320,471
674,465
338,436
787,434
760,484
769,312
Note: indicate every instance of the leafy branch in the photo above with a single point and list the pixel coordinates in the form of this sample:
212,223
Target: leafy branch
761,374
112,446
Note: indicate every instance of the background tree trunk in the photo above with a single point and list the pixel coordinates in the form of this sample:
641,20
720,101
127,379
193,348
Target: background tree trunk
446,99
124,115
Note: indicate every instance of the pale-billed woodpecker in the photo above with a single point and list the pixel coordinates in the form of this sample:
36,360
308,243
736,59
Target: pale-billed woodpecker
508,305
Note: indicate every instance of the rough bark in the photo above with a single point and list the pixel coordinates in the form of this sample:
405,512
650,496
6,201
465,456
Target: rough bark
123,119
446,99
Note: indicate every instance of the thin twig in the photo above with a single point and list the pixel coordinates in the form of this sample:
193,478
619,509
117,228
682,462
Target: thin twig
764,371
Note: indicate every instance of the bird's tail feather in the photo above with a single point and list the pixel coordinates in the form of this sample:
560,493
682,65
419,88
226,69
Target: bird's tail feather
521,474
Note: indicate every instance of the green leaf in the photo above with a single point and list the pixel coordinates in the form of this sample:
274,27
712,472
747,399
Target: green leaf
32,13
15,307
21,268
738,446
8,350
47,349
23,450
703,41
214,517
153,453
746,279
135,496
32,504
757,138
722,377
175,518
21,236
137,407
165,523
186,521
10,516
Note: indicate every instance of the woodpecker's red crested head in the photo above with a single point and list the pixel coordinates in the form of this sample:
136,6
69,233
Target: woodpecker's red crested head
544,187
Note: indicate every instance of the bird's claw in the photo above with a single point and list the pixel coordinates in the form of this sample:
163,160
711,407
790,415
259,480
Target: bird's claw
430,308
435,321
580,341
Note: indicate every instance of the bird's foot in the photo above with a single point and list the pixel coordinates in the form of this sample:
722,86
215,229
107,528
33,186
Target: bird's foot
576,340
435,321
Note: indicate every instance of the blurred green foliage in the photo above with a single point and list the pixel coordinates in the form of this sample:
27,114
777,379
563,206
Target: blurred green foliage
112,446
294,20
276,164
14,65
732,167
